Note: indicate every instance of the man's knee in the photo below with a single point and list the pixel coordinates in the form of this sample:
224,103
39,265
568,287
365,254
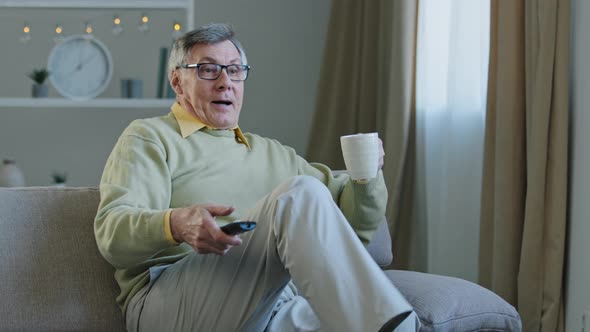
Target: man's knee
309,186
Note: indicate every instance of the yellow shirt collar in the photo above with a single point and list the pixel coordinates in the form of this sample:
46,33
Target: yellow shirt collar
189,124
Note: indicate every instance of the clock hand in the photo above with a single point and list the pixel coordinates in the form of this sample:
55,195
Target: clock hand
81,55
81,64
86,61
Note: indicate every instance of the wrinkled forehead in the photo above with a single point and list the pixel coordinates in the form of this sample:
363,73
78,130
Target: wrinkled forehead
223,53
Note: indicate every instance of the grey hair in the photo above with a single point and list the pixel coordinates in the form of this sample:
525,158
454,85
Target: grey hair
209,34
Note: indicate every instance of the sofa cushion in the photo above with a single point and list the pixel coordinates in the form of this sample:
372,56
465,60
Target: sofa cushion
452,304
53,277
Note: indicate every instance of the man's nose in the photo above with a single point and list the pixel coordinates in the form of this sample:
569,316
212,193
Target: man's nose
224,81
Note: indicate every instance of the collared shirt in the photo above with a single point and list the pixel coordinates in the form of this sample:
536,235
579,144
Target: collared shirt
189,124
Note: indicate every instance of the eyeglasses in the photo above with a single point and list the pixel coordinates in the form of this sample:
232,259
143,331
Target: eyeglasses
212,71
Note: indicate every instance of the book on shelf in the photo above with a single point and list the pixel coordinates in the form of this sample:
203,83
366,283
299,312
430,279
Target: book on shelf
162,73
164,88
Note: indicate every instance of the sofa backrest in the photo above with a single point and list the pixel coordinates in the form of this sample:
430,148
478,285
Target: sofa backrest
52,276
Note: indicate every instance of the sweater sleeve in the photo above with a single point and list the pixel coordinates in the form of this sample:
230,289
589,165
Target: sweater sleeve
363,204
135,192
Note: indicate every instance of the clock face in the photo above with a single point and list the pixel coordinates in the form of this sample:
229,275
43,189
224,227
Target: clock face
80,67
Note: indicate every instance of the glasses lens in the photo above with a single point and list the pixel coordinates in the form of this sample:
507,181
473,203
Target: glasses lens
237,72
209,71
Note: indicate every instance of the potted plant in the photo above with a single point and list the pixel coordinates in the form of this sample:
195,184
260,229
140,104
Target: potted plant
59,179
39,76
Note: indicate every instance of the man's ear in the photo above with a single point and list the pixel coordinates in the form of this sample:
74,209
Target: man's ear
175,81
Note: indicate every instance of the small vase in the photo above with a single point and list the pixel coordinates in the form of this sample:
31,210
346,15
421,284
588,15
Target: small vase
131,88
40,90
11,175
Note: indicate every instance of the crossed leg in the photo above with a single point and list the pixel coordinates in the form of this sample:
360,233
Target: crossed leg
301,236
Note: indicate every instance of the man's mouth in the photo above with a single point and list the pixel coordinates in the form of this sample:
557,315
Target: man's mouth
222,102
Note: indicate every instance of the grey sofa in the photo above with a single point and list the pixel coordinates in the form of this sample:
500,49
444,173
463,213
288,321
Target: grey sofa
52,277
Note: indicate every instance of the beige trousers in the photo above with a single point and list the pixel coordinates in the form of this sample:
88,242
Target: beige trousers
301,236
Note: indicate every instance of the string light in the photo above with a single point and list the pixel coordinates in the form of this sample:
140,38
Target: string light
177,30
58,33
143,23
117,27
88,28
26,36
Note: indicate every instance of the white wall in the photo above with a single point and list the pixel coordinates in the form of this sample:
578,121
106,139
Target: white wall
284,41
135,54
578,269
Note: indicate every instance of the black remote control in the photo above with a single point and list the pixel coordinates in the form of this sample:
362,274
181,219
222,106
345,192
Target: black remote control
238,227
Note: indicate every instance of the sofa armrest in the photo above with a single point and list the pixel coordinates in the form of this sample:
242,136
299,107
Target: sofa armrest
380,245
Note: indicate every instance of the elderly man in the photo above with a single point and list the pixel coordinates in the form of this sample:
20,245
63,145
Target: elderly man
171,181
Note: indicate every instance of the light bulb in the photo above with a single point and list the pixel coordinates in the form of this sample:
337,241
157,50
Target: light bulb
26,36
176,30
143,23
58,34
88,29
117,27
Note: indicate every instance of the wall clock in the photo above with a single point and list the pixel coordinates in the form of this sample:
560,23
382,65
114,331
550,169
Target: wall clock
80,67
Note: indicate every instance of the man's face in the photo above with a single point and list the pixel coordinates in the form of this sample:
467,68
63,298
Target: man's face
217,103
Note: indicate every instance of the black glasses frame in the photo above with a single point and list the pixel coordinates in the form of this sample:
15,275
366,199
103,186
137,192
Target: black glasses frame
198,65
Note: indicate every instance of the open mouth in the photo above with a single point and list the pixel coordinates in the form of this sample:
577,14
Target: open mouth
222,102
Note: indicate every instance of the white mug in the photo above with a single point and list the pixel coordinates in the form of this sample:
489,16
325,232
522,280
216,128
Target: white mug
361,155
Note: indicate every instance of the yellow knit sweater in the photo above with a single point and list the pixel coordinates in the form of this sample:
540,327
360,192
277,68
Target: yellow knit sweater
153,169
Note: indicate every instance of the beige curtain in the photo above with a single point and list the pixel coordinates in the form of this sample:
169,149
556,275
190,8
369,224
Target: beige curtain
524,194
367,85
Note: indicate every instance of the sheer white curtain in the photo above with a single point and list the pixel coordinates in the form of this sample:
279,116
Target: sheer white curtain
452,65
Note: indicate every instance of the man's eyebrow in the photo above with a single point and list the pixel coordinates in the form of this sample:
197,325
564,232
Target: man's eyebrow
211,60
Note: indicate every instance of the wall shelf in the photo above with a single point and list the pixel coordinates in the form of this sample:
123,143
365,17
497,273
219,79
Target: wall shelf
11,103
187,5
144,4
6,103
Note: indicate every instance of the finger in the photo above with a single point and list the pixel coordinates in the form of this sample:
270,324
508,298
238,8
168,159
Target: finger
225,239
205,248
219,210
217,237
381,154
222,245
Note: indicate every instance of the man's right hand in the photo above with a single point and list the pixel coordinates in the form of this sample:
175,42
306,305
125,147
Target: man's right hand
196,226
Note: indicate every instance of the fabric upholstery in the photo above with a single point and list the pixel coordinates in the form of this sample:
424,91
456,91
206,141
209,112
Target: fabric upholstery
53,277
380,245
452,304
